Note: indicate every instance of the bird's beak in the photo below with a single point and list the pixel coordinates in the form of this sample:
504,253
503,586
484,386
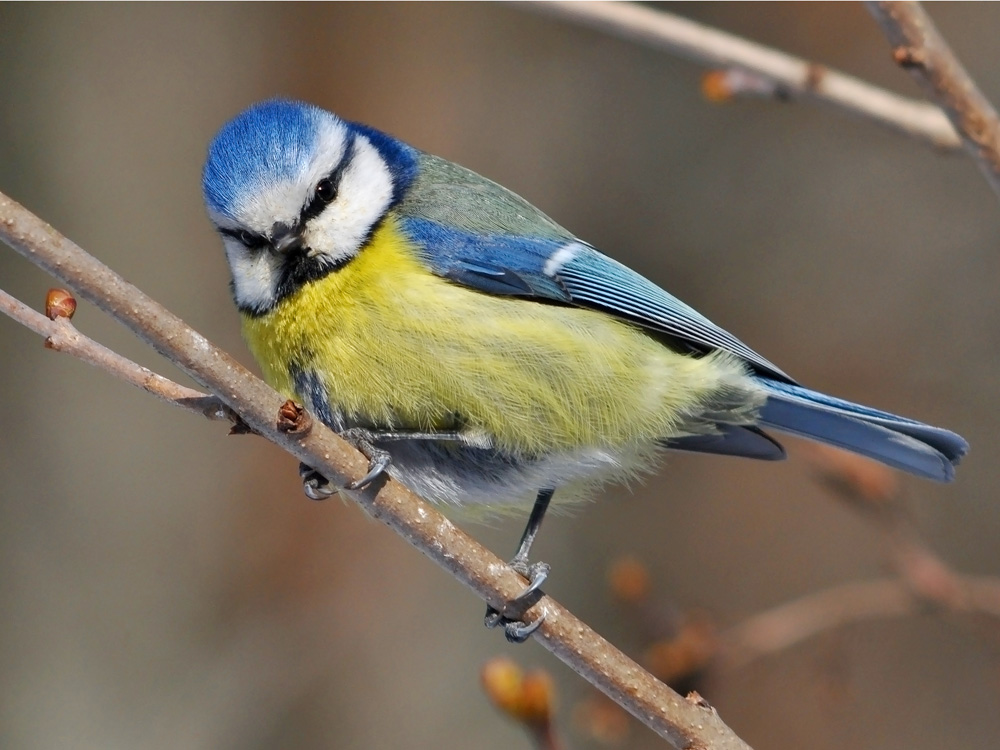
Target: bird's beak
284,239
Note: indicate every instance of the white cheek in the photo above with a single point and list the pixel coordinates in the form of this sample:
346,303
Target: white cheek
255,275
363,197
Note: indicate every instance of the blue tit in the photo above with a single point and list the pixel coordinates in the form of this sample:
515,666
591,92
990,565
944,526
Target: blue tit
473,348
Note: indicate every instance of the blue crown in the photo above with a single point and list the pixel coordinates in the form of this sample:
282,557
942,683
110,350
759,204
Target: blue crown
269,142
273,141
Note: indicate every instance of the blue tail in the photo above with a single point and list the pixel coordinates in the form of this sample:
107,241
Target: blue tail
902,443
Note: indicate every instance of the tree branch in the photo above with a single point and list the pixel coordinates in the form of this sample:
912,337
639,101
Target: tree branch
790,77
62,336
923,581
684,723
920,49
789,624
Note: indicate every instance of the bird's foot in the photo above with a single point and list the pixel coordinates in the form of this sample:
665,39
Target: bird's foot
314,484
318,487
378,459
515,629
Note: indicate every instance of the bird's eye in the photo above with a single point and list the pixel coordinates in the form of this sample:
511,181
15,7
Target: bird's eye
248,239
326,191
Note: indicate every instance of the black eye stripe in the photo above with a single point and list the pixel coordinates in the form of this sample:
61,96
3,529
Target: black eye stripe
318,203
250,239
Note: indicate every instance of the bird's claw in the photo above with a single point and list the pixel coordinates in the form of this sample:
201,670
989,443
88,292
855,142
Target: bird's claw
378,459
314,484
516,631
378,462
514,628
318,487
536,573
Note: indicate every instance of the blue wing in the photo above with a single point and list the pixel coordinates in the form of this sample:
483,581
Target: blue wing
493,263
569,271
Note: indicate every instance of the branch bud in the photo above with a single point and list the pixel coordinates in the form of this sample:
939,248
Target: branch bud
59,304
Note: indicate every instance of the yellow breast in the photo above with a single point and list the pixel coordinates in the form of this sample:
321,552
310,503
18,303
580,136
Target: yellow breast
401,348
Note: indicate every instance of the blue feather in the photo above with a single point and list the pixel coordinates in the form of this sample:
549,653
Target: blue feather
509,264
903,443
595,280
501,264
272,140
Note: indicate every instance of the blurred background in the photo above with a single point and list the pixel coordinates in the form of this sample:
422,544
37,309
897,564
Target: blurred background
166,586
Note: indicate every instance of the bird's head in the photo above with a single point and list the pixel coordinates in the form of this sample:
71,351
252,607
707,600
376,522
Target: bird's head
295,193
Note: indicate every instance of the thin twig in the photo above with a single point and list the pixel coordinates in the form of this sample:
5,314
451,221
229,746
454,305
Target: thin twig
791,623
62,336
920,49
923,581
792,77
682,722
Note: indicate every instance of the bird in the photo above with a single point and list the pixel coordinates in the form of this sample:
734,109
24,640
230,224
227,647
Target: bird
474,349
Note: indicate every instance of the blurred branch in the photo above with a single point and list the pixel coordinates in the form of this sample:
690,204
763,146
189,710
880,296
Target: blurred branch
920,49
765,71
791,623
923,581
685,645
62,336
684,723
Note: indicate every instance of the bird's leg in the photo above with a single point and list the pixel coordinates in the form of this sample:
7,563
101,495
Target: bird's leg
317,487
515,629
534,572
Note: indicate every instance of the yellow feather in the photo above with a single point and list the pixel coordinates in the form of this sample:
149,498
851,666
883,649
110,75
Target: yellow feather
401,348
